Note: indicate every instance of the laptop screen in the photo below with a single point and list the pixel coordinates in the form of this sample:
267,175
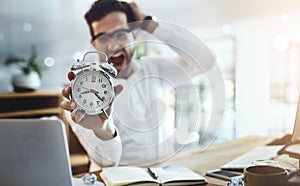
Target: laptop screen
34,152
296,133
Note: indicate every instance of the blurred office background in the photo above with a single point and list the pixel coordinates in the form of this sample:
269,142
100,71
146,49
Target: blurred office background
257,44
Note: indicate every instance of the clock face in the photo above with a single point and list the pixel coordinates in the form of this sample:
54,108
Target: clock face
92,91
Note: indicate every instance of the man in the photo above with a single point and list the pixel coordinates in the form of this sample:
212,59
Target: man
136,129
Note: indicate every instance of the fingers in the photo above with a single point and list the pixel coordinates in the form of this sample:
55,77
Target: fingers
133,5
68,105
66,92
138,15
71,75
118,89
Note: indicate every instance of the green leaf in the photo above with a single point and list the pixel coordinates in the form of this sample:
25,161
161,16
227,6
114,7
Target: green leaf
26,70
35,66
31,64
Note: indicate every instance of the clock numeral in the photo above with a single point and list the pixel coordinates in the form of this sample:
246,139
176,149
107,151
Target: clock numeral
103,85
98,102
93,79
91,104
80,96
86,79
84,101
105,92
78,89
80,83
100,80
103,98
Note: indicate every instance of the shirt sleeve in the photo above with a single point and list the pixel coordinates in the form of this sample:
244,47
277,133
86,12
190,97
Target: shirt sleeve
193,54
104,153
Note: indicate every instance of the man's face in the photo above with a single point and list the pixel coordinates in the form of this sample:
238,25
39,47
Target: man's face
114,39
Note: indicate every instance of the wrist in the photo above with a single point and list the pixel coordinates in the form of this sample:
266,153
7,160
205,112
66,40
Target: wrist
107,132
149,23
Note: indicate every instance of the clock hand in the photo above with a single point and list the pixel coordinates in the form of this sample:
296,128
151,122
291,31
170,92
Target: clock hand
85,92
96,94
83,87
88,90
94,91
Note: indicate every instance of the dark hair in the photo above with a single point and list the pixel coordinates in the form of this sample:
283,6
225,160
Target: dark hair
101,8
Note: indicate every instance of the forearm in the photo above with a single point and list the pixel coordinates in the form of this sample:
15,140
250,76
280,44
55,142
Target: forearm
190,49
104,152
107,132
104,129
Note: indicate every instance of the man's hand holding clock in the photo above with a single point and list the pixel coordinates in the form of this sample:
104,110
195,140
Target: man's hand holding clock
90,96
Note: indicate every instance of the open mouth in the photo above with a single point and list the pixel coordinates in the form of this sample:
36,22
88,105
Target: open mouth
117,60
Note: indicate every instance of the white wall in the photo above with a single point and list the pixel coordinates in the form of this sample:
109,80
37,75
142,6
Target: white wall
252,67
254,43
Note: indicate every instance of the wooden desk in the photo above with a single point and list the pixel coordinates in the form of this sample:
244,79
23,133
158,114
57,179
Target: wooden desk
30,104
218,154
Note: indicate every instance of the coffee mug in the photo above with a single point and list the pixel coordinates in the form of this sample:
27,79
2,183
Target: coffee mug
264,175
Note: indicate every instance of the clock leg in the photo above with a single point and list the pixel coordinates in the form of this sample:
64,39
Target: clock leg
105,113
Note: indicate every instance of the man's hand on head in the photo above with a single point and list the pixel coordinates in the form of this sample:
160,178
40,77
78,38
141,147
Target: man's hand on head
141,18
137,13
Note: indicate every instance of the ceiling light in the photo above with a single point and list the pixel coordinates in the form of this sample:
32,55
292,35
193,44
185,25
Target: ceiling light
49,61
27,27
226,29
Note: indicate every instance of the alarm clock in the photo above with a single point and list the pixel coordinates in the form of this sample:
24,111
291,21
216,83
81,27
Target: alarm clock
92,88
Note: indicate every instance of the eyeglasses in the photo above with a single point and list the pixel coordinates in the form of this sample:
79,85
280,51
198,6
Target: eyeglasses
121,36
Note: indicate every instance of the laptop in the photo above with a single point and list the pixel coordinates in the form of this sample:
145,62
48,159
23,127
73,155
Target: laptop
293,147
34,152
296,132
289,144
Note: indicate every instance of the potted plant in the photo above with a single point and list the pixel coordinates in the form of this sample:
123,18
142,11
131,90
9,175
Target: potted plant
30,77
